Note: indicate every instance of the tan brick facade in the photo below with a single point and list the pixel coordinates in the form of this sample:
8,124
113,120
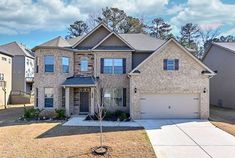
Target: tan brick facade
115,80
54,79
154,80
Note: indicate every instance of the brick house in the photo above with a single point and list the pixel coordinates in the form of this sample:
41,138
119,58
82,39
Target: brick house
136,73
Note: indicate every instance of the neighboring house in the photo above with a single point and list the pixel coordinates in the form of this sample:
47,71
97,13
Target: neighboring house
23,67
5,76
220,57
136,73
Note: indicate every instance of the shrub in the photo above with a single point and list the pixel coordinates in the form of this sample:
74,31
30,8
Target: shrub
118,113
108,115
123,116
31,113
60,113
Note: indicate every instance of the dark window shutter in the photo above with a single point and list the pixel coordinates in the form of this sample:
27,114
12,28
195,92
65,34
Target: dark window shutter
165,64
101,96
176,64
36,68
124,96
102,65
36,64
124,65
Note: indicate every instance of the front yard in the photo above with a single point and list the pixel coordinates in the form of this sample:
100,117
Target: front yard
223,118
51,139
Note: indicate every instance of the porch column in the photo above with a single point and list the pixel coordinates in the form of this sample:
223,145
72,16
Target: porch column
92,101
67,101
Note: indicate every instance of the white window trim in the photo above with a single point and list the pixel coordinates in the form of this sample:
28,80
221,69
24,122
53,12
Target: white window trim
61,66
87,66
112,96
52,97
113,65
53,64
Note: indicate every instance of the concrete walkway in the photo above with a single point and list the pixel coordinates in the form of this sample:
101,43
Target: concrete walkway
187,138
79,121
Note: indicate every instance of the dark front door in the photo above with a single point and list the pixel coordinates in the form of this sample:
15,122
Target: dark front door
84,102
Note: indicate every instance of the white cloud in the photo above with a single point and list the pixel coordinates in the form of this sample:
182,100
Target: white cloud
205,12
23,16
175,9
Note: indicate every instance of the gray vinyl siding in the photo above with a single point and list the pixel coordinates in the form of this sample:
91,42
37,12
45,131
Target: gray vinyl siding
18,75
138,57
222,87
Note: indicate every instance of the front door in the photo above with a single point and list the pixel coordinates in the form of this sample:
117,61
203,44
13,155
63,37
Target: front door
84,102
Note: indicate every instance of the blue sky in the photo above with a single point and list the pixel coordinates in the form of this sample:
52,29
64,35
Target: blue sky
33,22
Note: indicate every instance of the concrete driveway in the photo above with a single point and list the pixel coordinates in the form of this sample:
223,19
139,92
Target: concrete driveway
188,138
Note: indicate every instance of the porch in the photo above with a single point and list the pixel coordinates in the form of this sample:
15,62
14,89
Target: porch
80,95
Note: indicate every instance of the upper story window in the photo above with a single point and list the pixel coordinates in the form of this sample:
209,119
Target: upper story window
48,102
4,59
65,64
1,77
84,64
113,66
171,64
49,63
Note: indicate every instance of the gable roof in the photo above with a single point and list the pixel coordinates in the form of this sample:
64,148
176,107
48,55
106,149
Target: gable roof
15,48
180,46
5,52
91,32
138,42
229,46
142,42
119,37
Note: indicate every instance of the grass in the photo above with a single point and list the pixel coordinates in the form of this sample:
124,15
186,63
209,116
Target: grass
54,140
223,118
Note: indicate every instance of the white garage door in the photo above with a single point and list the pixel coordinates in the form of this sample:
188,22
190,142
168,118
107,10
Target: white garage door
169,106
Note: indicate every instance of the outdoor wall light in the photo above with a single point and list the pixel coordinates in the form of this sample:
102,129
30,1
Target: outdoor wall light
204,90
135,90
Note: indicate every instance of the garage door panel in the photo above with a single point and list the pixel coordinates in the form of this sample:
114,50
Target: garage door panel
169,106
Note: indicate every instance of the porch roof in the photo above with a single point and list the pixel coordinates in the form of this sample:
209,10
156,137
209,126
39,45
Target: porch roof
80,81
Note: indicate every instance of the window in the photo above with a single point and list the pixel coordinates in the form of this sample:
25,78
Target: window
48,97
37,61
1,77
118,66
113,66
108,97
65,64
108,66
63,97
115,97
49,63
84,64
4,59
171,64
36,95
